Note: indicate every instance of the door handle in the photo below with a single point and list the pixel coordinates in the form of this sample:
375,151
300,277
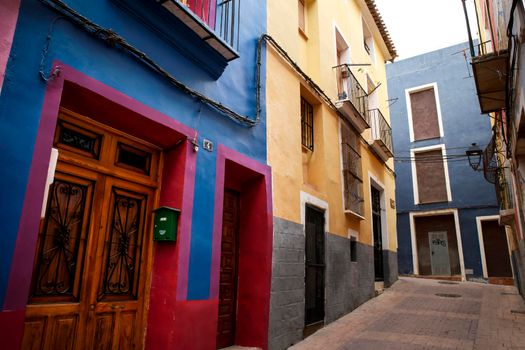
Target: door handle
92,307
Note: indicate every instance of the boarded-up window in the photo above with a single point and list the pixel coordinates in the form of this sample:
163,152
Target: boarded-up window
424,114
302,17
430,172
352,173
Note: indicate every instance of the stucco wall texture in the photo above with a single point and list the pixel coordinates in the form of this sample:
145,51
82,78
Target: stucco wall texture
348,283
462,125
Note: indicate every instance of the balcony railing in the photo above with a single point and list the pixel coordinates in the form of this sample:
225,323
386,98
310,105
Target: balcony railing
215,21
352,99
504,189
381,133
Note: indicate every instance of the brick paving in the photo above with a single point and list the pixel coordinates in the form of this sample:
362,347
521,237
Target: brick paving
410,316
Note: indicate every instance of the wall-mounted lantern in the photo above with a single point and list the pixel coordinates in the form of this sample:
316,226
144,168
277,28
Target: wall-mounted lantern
474,156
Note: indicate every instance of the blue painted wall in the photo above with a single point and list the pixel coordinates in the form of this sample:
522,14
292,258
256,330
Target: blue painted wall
23,92
463,124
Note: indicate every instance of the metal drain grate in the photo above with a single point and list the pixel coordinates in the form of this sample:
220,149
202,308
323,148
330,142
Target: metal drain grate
521,312
448,282
448,295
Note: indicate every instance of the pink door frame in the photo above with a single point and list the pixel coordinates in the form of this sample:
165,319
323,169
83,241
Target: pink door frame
253,181
177,191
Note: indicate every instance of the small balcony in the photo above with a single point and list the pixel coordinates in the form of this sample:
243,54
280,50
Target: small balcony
381,135
216,22
352,99
490,74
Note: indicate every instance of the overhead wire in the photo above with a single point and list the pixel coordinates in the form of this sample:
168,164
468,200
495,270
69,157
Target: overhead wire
114,40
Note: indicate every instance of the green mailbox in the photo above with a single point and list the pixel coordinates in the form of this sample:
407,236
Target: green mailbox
166,223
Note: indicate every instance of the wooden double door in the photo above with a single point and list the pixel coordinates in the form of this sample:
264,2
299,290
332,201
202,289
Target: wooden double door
94,244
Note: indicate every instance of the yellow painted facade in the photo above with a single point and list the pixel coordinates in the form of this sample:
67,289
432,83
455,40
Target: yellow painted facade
319,173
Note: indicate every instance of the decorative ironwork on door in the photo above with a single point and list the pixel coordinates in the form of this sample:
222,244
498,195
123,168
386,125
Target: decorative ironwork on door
60,242
123,246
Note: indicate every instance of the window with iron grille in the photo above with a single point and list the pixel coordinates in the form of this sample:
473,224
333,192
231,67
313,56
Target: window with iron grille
352,173
307,124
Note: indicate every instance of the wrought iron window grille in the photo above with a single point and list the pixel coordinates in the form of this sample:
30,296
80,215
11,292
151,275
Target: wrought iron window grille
307,124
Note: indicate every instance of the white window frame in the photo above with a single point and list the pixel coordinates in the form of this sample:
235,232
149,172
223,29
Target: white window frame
415,259
370,42
409,107
337,32
415,188
309,199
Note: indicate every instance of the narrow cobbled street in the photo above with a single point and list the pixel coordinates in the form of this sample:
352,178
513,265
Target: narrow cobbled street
429,314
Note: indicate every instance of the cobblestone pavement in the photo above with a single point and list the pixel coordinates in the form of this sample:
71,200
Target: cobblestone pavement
410,316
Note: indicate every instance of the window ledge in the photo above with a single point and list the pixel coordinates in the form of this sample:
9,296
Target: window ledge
303,33
353,213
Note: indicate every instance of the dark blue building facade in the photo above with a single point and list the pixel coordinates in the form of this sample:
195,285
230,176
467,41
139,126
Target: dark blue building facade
468,200
181,85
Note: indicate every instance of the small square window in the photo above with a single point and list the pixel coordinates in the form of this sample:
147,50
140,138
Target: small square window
353,249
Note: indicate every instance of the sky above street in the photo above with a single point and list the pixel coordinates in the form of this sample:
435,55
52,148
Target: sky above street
419,26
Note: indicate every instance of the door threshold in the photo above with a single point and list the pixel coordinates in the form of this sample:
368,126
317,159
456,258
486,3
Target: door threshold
312,328
237,347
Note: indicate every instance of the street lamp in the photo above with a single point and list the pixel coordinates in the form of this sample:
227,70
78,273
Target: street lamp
474,156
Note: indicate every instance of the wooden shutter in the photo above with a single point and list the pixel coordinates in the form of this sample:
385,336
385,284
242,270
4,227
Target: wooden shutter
424,114
430,172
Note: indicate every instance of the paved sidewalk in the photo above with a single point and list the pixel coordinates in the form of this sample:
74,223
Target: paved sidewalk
411,316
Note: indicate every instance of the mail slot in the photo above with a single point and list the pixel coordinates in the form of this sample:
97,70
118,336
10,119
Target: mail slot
166,224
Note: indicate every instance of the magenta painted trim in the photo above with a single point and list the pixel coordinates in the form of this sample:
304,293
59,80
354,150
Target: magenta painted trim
224,153
118,97
22,263
8,18
184,241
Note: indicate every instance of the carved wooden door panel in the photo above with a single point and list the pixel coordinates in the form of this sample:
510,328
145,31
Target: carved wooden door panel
54,314
115,319
228,274
94,245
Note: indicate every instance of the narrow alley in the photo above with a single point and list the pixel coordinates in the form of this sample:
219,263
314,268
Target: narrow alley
429,314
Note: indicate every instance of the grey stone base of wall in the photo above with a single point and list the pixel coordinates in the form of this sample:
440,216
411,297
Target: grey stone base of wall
287,293
347,284
390,270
